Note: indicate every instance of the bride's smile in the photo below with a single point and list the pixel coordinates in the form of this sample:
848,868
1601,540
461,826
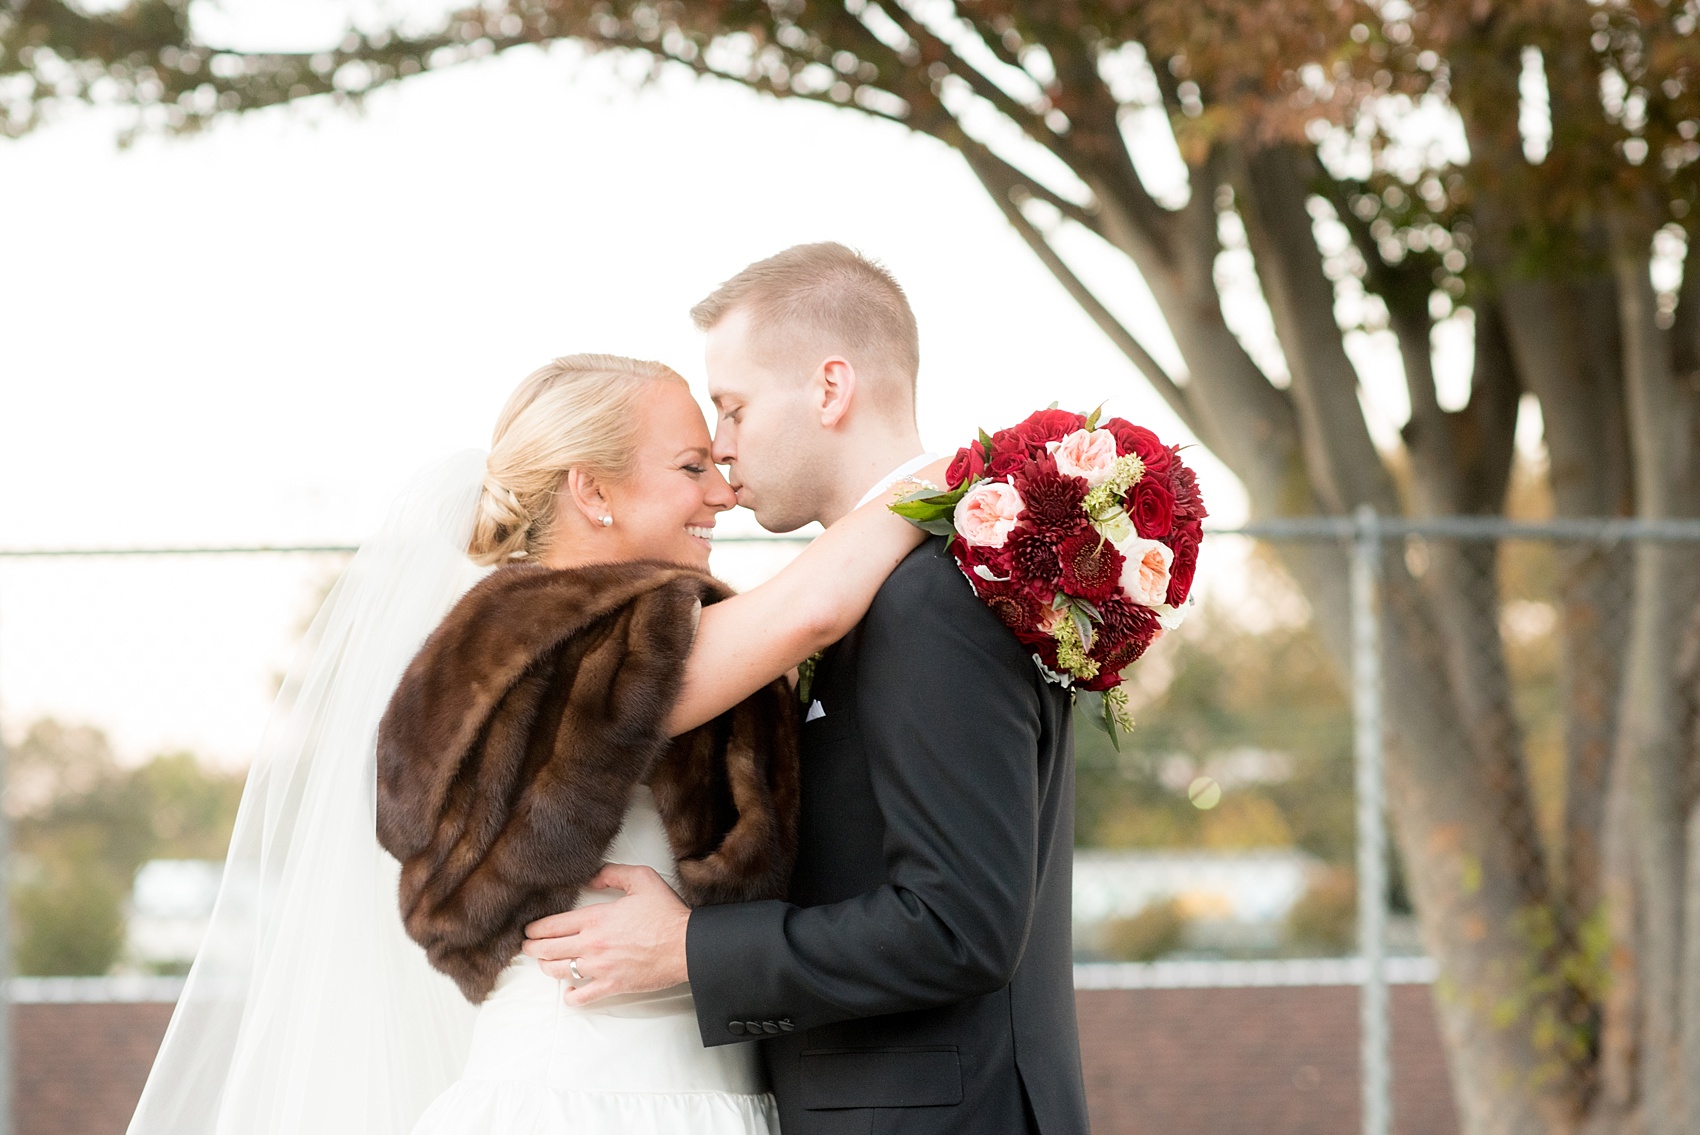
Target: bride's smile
664,505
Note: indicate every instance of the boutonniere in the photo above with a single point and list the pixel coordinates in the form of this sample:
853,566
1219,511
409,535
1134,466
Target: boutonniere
806,675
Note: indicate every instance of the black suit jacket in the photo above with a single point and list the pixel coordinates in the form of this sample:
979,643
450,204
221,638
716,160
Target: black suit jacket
921,974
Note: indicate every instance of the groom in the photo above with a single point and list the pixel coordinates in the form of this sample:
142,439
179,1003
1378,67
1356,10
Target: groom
921,971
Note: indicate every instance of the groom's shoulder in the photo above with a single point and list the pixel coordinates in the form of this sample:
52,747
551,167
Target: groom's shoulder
929,587
927,573
927,609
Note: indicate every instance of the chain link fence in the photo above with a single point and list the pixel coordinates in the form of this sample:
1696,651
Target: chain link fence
1321,645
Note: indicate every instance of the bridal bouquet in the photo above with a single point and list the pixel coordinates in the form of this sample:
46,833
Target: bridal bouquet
1080,534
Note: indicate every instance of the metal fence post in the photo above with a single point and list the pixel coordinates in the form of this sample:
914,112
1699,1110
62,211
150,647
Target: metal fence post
6,1126
1374,1059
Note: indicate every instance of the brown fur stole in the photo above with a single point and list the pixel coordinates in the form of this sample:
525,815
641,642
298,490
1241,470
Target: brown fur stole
508,755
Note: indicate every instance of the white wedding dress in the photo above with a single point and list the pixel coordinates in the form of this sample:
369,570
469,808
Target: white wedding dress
632,1065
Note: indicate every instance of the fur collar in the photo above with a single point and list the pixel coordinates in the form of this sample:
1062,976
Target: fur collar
509,752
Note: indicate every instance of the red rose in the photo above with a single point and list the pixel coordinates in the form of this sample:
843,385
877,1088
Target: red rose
1152,508
968,465
1046,426
971,556
1008,454
1137,439
1183,541
1091,566
1183,484
1051,499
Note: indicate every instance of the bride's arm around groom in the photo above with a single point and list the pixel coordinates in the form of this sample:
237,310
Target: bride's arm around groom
921,965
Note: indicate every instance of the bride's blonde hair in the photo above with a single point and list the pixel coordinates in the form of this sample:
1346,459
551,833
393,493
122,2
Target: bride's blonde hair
578,412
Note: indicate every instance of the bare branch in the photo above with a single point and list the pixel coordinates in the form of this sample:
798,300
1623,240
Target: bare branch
935,50
1014,176
995,175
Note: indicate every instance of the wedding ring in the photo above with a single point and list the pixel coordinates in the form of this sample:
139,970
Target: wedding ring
572,965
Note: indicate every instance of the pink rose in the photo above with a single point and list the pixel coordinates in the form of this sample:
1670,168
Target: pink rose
1145,570
1089,454
986,516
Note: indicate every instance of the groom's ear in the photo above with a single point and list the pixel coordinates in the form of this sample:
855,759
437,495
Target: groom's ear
835,385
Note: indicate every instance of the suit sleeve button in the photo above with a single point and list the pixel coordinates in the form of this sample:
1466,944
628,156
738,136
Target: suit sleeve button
736,1028
752,1026
769,1027
786,1026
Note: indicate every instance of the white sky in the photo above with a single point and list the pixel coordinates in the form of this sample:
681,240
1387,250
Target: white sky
258,334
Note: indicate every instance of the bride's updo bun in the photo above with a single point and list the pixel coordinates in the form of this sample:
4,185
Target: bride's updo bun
578,412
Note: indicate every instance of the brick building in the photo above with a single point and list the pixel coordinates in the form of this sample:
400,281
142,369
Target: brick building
1170,1049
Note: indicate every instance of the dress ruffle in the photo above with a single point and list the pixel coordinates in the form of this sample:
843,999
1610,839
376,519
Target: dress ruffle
627,1065
522,1107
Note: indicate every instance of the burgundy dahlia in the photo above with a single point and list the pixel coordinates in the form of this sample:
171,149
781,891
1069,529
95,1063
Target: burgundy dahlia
1033,557
1052,499
1128,630
1183,483
1014,603
1091,566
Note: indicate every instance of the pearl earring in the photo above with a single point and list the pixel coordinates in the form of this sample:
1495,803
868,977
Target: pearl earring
607,522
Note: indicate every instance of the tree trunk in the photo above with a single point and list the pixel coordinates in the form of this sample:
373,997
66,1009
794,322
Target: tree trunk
1655,719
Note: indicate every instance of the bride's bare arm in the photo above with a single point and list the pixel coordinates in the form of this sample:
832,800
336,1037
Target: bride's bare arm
747,641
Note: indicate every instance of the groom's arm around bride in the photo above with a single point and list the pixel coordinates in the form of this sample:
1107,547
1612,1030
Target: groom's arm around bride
923,961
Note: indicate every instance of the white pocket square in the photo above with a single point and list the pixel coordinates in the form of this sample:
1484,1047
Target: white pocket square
815,712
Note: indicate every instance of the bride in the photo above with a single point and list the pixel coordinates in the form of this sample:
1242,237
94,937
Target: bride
526,743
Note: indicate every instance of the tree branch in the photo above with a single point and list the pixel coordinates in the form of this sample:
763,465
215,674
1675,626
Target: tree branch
935,50
978,154
1342,457
996,176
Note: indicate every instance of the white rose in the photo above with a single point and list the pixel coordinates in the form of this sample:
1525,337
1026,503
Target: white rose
1145,570
986,516
1170,618
1086,453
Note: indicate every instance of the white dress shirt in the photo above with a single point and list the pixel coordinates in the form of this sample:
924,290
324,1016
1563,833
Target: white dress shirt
910,466
913,465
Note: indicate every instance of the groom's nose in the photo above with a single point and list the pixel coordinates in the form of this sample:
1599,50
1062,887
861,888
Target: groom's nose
724,451
722,495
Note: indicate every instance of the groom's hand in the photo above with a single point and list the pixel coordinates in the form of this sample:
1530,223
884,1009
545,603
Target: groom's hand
634,944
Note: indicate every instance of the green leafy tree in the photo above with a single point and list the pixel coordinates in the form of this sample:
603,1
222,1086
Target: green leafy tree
84,825
1229,694
1291,118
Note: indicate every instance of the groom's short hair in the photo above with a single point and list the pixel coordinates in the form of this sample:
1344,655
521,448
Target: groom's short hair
833,298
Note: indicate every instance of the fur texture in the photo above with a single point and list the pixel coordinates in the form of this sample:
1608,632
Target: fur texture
509,751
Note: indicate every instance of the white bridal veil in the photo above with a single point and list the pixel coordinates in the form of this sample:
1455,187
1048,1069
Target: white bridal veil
308,1010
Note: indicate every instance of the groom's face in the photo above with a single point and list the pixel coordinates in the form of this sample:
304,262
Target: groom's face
768,434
